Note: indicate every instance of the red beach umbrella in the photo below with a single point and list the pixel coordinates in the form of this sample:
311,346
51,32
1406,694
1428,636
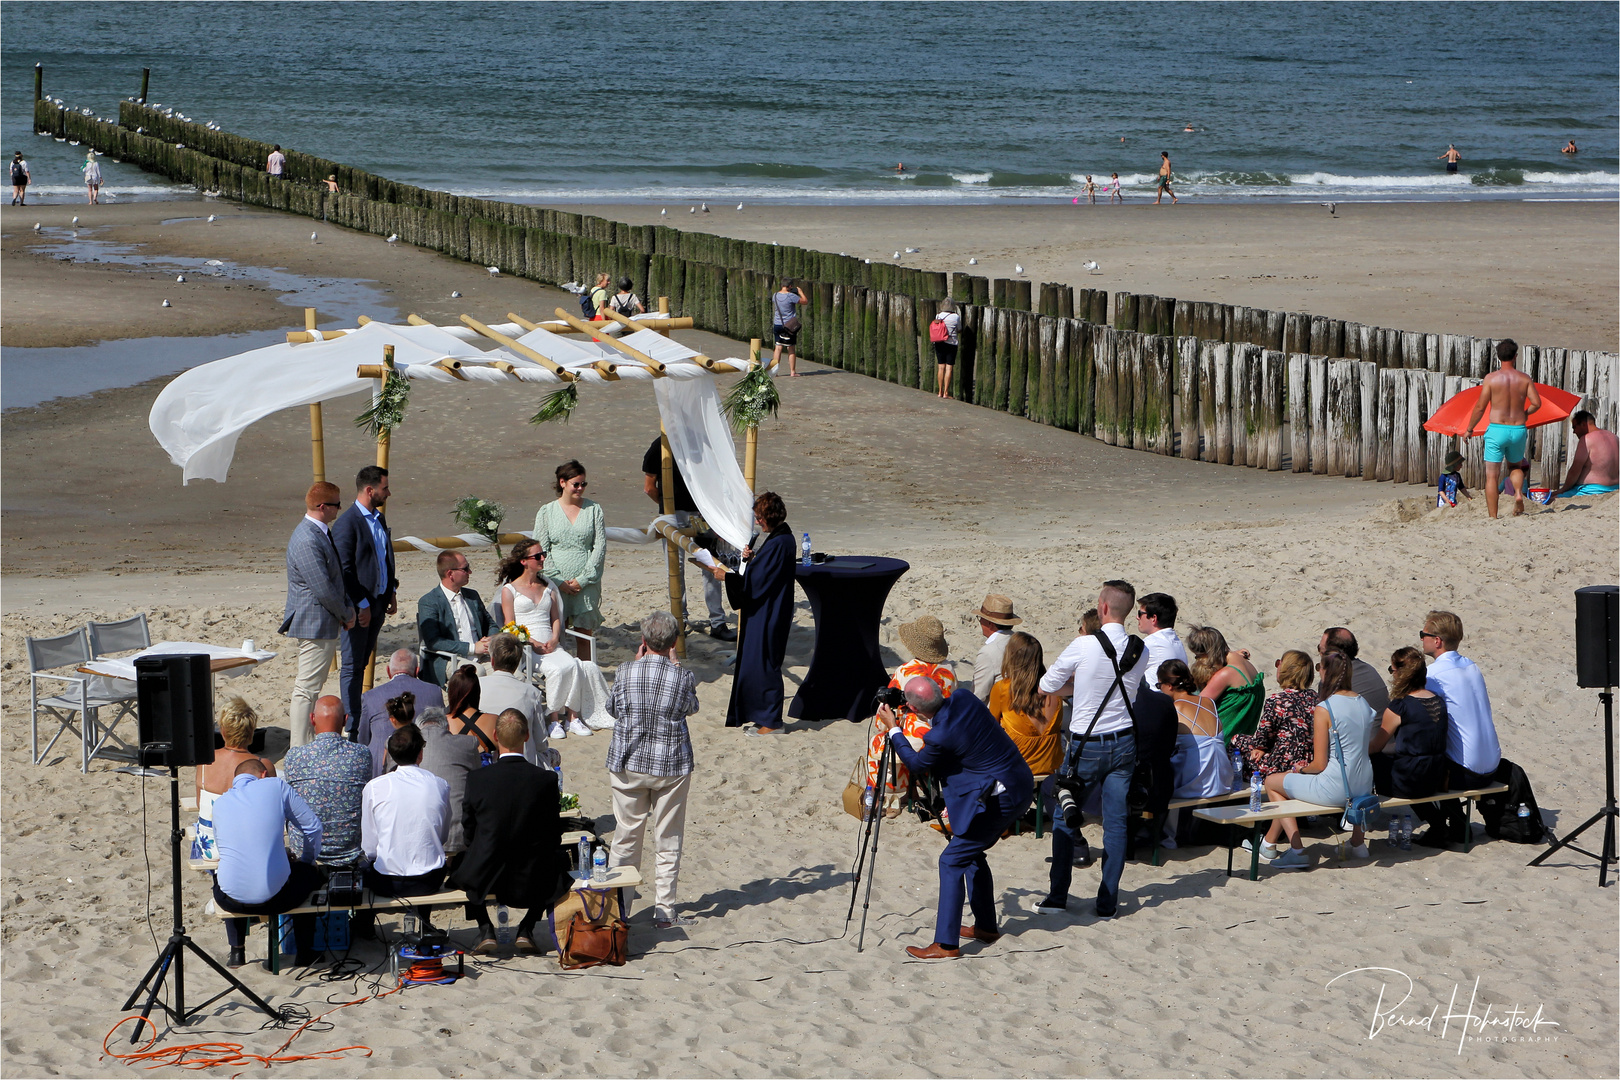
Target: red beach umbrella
1450,417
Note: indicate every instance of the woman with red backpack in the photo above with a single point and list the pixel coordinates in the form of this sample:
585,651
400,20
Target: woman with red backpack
943,333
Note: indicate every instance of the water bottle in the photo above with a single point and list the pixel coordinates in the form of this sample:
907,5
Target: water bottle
1395,821
804,550
584,855
866,800
1257,794
1524,816
503,924
1237,768
408,924
599,863
1406,832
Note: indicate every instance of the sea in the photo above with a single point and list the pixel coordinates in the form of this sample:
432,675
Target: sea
878,103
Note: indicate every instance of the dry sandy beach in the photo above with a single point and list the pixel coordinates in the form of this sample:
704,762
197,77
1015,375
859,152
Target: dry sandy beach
1202,975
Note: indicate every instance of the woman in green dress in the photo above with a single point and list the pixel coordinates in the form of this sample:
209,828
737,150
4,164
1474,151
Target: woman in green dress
1226,677
573,536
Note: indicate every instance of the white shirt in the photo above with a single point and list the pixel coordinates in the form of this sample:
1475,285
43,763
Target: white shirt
274,163
404,818
1470,731
463,617
1084,660
987,665
319,524
1162,645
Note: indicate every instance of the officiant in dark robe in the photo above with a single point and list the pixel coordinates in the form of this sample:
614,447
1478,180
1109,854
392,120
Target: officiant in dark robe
763,599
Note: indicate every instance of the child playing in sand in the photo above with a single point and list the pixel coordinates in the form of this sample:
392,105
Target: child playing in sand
1451,483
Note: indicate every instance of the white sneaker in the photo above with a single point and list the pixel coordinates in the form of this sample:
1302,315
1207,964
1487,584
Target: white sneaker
576,726
1268,850
557,732
1362,852
1291,859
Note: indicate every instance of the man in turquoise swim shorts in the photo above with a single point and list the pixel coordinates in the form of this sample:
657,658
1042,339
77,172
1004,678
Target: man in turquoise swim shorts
1511,396
1595,469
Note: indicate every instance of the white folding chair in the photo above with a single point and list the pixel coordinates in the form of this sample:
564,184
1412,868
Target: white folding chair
82,696
125,635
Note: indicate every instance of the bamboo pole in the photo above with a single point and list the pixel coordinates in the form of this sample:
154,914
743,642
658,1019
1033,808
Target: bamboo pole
655,366
518,347
751,440
677,579
317,433
685,322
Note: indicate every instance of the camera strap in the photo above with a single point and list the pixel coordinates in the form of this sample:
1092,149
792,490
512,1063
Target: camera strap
1133,653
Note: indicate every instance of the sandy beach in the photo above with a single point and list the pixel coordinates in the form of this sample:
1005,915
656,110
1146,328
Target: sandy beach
1202,975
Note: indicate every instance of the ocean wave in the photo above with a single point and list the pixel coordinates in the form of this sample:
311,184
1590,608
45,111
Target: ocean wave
971,178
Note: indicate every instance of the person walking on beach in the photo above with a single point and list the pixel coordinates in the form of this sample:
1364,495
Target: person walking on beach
1113,189
276,162
1164,180
19,179
785,323
92,179
1450,157
1511,396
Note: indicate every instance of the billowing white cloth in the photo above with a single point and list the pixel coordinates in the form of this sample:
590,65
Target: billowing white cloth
700,440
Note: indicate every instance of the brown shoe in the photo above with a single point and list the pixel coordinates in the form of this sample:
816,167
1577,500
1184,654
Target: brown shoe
486,946
936,951
989,937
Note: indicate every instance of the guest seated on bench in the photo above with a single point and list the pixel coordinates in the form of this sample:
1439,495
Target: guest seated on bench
1016,703
1225,676
513,837
329,772
1283,738
404,820
237,723
256,875
1409,747
398,712
1472,749
1203,767
1343,713
465,714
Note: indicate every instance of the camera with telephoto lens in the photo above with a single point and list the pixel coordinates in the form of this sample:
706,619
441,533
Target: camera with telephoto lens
892,696
1068,806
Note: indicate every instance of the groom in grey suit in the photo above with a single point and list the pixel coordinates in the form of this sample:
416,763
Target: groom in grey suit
317,606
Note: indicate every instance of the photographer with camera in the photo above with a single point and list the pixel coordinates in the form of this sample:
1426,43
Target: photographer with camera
987,788
1102,672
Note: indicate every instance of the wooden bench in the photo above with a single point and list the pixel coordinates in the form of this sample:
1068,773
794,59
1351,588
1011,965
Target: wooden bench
1236,816
570,839
619,878
1193,804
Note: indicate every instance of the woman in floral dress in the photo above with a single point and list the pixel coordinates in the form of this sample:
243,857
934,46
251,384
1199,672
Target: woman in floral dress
1281,741
571,531
926,640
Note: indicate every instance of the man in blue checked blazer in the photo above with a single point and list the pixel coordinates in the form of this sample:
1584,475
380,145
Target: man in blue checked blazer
317,606
987,787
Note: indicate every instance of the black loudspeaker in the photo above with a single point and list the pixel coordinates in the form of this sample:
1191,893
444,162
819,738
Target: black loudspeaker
175,709
1597,620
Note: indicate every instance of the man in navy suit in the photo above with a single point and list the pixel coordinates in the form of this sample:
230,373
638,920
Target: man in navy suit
987,787
366,549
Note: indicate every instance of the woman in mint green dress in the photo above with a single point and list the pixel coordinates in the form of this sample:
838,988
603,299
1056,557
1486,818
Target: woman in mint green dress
572,534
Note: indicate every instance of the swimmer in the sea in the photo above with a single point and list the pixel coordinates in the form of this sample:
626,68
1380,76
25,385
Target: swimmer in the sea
1450,157
1569,147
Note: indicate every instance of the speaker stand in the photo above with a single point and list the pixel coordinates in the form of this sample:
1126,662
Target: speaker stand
1607,814
173,956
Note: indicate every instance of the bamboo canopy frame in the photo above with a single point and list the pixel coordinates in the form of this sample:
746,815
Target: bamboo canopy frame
679,543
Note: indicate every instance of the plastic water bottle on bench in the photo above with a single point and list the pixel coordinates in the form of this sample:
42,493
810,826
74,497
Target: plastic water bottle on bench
599,866
584,855
804,550
1257,794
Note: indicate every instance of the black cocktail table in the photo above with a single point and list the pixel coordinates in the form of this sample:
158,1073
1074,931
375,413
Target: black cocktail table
846,598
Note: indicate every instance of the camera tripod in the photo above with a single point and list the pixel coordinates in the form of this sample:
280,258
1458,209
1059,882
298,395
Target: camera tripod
173,955
888,772
1609,811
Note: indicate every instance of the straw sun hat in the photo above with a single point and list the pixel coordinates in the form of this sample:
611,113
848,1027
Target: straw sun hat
925,638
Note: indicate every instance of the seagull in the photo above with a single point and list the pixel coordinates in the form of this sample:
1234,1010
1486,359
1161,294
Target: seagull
166,304
494,271
1091,265
455,295
691,210
1017,269
705,207
973,262
897,254
393,238
664,212
1333,208
739,206
75,219
212,218
912,251
313,237
214,262
36,226
776,243
181,279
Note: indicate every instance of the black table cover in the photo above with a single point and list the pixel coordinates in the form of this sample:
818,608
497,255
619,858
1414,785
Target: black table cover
846,598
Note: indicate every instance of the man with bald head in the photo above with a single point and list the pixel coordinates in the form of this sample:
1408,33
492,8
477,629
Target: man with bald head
374,725
987,787
330,772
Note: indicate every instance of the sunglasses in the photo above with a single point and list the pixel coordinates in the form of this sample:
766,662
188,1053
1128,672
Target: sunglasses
334,506
461,569
540,555
1424,633
578,485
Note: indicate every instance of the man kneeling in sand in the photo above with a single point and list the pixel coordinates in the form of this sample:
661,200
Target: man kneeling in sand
1594,470
1511,396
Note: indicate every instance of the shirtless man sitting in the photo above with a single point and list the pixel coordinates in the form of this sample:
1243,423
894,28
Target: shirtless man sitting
1595,469
1511,396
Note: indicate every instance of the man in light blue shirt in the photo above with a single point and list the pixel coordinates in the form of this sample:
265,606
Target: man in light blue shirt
256,875
1471,744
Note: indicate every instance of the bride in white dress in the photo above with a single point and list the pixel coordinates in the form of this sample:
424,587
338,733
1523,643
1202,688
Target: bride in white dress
529,600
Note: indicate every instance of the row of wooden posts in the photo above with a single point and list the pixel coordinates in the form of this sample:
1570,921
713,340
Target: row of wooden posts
1051,353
